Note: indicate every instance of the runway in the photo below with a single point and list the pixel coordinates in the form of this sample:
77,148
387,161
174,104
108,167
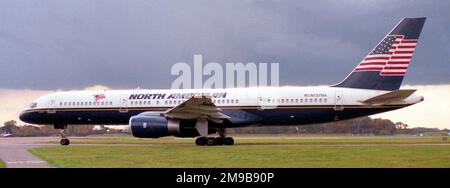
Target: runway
14,151
308,151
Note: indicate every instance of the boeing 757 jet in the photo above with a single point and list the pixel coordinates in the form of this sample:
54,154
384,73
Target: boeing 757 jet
372,87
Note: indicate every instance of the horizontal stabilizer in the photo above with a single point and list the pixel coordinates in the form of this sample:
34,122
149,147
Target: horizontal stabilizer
390,97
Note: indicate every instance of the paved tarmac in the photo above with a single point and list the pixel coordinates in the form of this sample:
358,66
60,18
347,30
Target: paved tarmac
14,151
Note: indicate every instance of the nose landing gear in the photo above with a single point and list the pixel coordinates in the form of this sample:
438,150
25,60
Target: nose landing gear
63,133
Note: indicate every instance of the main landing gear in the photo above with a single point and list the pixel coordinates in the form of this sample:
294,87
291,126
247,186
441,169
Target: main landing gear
63,133
211,141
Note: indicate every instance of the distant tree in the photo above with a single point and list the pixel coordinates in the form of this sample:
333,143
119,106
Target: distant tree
401,125
9,126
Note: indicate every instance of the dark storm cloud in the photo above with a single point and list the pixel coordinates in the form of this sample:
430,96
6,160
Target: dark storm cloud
125,44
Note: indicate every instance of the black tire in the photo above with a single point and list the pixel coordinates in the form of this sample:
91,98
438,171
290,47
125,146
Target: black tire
64,142
228,141
200,141
219,141
211,141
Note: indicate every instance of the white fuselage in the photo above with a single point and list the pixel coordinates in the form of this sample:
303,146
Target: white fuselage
260,98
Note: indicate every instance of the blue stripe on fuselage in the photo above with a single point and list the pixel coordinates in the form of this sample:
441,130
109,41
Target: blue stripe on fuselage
239,117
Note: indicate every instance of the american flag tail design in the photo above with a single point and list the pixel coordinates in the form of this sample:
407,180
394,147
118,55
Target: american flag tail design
386,65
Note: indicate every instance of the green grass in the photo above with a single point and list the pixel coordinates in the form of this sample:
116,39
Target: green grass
2,164
253,152
268,140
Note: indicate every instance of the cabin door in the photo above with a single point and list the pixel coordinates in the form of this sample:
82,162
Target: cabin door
123,104
52,105
339,101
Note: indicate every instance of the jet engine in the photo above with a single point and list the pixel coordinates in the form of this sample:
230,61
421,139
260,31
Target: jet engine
158,126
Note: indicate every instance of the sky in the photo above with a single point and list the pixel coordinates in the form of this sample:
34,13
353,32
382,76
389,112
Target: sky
48,45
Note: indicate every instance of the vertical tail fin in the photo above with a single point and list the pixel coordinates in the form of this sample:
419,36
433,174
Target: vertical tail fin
385,66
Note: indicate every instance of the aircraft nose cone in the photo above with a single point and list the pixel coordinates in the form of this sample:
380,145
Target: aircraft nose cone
25,117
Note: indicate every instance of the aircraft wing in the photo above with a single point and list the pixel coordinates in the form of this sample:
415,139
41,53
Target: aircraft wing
197,107
390,97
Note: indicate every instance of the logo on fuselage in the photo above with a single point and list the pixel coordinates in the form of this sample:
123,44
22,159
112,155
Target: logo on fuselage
99,97
175,95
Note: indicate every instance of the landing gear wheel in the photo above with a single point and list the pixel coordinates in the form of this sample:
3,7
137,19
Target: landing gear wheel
228,141
219,141
211,141
63,133
65,142
200,141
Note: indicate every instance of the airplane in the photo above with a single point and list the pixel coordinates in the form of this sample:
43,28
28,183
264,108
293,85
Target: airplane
372,87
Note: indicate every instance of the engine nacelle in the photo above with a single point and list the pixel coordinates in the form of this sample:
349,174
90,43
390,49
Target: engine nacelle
157,126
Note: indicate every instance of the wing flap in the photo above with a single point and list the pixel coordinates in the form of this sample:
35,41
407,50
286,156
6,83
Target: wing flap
197,107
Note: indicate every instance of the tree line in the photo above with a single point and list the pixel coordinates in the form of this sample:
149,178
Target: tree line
359,126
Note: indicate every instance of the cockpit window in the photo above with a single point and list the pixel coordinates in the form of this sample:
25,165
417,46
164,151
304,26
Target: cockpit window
33,105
